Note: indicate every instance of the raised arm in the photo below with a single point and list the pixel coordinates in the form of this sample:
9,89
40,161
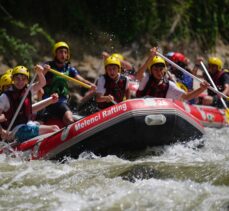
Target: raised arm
140,72
41,78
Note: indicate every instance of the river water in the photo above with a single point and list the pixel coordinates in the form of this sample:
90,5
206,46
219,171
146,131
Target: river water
177,177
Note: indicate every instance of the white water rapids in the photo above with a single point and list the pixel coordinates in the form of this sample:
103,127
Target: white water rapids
177,177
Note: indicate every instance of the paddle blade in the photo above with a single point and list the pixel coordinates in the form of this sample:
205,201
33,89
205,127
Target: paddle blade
227,115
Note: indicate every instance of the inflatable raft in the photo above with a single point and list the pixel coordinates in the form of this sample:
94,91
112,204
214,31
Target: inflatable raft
209,116
128,126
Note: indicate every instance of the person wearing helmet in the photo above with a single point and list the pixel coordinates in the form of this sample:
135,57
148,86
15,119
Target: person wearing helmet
112,87
57,84
154,83
9,71
183,80
126,67
10,99
221,80
5,82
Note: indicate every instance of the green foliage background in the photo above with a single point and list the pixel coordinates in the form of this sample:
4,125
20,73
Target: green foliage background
25,24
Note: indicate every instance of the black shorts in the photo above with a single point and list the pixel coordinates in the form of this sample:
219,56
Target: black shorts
58,109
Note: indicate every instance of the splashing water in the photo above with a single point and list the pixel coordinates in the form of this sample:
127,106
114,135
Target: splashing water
176,177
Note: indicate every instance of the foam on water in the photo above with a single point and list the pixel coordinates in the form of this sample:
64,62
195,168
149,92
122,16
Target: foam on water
177,177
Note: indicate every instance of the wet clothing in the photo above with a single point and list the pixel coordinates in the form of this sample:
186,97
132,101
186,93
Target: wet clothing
116,88
165,89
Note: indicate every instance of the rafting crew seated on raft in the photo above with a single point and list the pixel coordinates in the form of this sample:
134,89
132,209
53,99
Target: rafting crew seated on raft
57,84
23,127
112,87
220,77
155,83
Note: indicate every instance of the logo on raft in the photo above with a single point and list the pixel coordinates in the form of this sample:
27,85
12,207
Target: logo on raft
101,115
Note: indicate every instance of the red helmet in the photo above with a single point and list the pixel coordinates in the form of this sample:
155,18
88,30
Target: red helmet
178,57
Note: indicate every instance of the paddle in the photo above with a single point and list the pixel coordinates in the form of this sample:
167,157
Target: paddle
114,102
70,78
213,84
191,75
41,102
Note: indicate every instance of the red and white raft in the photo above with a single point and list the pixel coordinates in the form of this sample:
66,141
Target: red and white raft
209,116
131,125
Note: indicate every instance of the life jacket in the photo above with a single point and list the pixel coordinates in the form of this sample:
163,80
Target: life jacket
116,88
25,114
217,80
154,88
56,84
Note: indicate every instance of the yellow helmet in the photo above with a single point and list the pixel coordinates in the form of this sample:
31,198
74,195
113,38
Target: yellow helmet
20,70
113,60
9,71
60,45
156,60
5,80
216,61
118,56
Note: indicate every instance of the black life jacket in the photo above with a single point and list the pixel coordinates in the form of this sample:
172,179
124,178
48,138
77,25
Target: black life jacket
116,88
25,114
154,88
218,82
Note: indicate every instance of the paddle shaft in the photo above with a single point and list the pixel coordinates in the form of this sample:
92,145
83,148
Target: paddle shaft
42,101
70,78
114,102
213,84
191,75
